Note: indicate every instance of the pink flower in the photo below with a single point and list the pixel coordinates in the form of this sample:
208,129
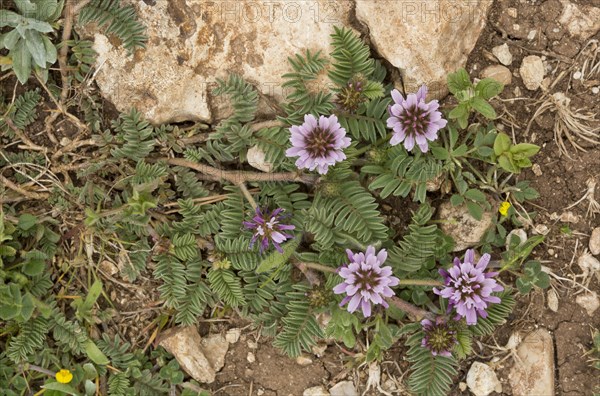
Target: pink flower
440,337
365,281
413,120
268,228
318,144
468,288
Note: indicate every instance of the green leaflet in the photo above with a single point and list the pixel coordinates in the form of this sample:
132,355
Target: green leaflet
276,259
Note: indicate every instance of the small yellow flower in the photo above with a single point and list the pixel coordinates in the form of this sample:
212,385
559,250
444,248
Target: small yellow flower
504,208
64,376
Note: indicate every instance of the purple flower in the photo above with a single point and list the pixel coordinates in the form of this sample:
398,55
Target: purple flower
413,120
468,289
319,144
365,281
351,96
440,338
267,228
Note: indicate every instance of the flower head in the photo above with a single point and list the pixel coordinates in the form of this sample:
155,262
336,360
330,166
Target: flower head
351,96
365,281
504,207
468,288
318,143
413,120
440,337
268,228
64,376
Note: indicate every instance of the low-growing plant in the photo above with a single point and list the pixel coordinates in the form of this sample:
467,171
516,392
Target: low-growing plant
30,42
306,251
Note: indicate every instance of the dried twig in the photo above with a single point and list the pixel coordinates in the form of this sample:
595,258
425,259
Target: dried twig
75,144
237,177
29,194
70,11
29,145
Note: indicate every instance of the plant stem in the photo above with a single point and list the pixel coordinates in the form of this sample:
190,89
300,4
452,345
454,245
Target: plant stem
247,194
413,311
39,369
320,267
420,282
266,124
476,172
237,177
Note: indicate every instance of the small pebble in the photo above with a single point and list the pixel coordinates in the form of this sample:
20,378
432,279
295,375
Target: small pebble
551,252
303,361
577,75
499,73
569,217
536,169
108,267
588,264
517,92
344,388
502,53
251,358
552,300
233,335
589,302
482,380
315,391
541,229
595,90
532,72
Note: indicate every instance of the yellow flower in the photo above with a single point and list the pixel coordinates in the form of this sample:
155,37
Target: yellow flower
64,376
504,208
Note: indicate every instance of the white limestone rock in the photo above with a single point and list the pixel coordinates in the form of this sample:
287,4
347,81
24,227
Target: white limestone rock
533,372
532,72
461,226
192,43
344,388
482,380
186,345
499,73
426,40
589,302
502,53
582,21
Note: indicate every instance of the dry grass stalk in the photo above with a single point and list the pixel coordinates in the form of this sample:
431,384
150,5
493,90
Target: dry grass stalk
569,124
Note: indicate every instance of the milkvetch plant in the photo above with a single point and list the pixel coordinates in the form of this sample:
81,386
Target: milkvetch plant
317,237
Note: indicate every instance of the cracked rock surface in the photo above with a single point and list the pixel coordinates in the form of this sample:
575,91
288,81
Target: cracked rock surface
533,372
192,43
426,40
